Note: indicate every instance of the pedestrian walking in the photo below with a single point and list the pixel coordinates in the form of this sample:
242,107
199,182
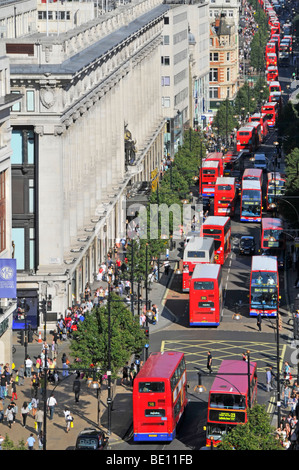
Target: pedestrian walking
28,366
30,442
259,322
21,373
166,265
9,415
24,413
39,419
41,440
209,362
269,379
51,403
14,395
1,410
77,388
126,372
68,419
286,393
34,385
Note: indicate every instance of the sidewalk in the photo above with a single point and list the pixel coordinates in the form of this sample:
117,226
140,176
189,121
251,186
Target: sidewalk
85,412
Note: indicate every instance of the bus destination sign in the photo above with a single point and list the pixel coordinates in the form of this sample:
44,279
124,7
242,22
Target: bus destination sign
227,416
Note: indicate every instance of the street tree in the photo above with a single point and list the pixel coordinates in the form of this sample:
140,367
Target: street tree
90,342
256,434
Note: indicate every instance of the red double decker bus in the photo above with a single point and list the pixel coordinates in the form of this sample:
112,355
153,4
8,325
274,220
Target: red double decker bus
247,139
272,73
225,196
251,202
209,172
219,228
259,117
216,157
159,396
253,174
270,110
275,189
205,297
233,392
197,251
272,235
271,59
264,286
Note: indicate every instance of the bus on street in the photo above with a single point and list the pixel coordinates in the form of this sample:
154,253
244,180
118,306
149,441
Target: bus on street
219,228
209,172
159,397
272,235
233,392
198,250
264,286
225,196
251,202
275,189
205,296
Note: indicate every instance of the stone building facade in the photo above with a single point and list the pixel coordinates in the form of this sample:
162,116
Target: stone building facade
81,93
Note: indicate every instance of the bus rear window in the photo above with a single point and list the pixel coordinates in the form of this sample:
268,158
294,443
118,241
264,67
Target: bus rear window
203,285
151,387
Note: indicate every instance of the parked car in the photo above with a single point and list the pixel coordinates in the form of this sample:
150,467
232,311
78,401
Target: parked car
92,439
247,245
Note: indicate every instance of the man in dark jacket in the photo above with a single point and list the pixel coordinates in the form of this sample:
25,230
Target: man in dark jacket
76,388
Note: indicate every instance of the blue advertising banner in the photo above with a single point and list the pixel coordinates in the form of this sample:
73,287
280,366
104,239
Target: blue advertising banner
8,278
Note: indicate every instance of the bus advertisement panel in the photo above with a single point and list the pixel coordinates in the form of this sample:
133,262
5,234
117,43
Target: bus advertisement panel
209,173
275,189
273,235
159,396
219,228
233,392
251,202
205,298
225,196
264,286
198,250
270,110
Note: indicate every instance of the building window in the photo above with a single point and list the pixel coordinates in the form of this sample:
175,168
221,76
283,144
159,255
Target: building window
165,102
228,74
166,19
213,75
165,60
165,81
16,106
30,100
214,56
166,41
213,92
228,56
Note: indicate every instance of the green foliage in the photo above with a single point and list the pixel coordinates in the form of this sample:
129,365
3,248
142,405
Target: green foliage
224,121
8,444
90,341
256,434
288,126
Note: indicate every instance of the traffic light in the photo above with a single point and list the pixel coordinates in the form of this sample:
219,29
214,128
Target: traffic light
49,303
21,337
42,306
30,334
146,332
